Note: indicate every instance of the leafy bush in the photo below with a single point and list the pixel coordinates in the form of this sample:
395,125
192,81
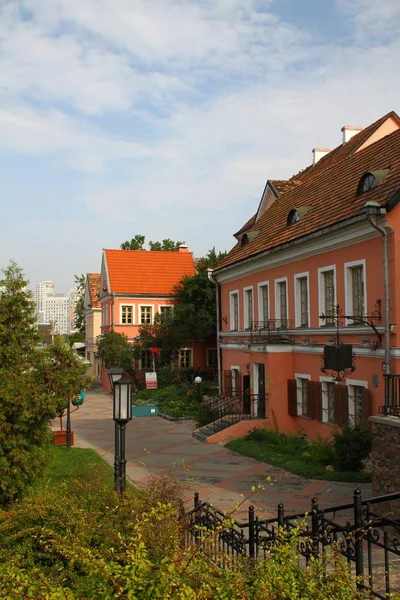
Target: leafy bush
173,400
320,452
351,446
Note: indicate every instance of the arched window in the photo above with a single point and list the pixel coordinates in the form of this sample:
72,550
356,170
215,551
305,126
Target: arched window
244,240
293,217
367,182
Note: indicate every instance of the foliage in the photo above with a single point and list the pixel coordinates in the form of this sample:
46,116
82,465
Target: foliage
80,281
81,541
351,446
174,400
115,351
77,336
18,331
138,241
295,454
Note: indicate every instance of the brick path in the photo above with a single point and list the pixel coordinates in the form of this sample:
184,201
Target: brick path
221,476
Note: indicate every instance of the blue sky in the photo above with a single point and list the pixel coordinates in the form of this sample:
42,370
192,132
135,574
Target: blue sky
166,117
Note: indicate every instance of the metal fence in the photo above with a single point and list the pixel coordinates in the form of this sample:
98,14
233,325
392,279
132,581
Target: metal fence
365,532
392,396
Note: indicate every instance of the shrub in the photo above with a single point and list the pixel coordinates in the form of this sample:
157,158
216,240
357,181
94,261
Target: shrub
351,446
320,451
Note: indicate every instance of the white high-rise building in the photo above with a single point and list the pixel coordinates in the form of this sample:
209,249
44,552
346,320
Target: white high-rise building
44,289
57,312
73,298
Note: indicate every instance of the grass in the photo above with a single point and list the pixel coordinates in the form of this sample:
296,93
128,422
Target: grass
294,454
69,465
173,400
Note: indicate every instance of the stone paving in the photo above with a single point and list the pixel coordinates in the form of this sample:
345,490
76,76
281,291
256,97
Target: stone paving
222,477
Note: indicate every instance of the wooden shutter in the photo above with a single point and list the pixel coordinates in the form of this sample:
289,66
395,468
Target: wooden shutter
314,400
228,382
292,397
366,407
341,399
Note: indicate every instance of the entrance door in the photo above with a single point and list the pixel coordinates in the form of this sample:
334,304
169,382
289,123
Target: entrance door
259,380
246,394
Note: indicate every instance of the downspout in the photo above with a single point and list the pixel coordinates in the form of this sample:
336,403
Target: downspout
374,211
210,274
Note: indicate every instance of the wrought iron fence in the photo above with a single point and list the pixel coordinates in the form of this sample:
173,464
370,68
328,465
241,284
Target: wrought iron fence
273,330
365,532
392,396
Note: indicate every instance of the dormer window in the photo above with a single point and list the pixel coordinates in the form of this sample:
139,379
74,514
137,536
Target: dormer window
245,240
293,217
370,180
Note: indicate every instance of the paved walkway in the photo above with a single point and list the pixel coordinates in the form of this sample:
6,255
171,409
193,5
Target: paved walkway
221,476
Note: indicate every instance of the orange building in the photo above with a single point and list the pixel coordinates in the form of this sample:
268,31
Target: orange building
314,274
135,285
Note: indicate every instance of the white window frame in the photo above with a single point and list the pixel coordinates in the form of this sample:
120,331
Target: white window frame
260,286
321,290
139,318
297,298
133,313
191,357
351,383
208,358
278,315
348,287
246,292
169,306
324,399
231,311
299,398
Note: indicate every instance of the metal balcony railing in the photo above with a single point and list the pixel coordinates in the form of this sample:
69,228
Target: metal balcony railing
392,396
273,330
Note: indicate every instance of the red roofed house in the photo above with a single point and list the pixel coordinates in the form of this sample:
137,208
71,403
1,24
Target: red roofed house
92,312
137,284
311,246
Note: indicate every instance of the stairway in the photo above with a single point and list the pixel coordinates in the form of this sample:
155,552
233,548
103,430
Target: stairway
203,433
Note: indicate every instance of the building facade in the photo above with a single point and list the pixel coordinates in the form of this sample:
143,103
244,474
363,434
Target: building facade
92,311
314,274
44,289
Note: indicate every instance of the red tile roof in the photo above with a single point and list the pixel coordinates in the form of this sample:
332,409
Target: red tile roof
147,272
94,287
330,194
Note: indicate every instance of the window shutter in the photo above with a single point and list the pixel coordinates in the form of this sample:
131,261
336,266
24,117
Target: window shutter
310,400
341,397
292,397
228,382
366,407
316,396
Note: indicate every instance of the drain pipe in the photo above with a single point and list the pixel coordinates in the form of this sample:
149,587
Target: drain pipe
210,275
374,212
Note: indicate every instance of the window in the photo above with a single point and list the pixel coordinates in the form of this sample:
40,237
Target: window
328,402
185,358
235,381
211,358
301,300
165,310
248,307
126,315
263,302
146,315
327,294
302,394
293,217
367,182
146,361
234,310
355,291
281,304
359,401
245,240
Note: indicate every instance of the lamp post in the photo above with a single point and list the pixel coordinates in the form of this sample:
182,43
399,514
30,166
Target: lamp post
198,381
122,414
114,374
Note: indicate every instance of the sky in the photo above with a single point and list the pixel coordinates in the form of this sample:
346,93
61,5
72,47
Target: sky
167,117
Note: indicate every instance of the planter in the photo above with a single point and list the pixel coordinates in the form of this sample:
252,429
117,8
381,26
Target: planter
60,438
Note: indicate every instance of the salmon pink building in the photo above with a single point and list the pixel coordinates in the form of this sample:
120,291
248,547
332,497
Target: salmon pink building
309,317
135,285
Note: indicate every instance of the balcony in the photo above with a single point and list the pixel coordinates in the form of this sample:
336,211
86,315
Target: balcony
271,331
392,396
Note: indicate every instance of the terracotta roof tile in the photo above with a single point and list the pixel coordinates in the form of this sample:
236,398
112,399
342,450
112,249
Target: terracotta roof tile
246,226
331,196
94,287
147,271
282,186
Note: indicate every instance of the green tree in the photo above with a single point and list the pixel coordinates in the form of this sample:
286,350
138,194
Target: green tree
115,350
166,244
80,281
136,243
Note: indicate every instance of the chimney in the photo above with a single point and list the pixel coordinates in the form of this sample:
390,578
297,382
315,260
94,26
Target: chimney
348,132
319,153
183,248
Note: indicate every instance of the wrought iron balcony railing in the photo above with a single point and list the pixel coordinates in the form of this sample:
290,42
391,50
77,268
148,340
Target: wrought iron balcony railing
392,396
273,330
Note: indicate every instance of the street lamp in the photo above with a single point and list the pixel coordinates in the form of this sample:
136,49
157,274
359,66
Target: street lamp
122,413
114,374
198,381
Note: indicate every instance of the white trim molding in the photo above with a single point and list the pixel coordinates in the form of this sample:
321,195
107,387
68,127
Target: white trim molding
348,289
231,311
277,283
297,298
260,286
321,290
247,317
